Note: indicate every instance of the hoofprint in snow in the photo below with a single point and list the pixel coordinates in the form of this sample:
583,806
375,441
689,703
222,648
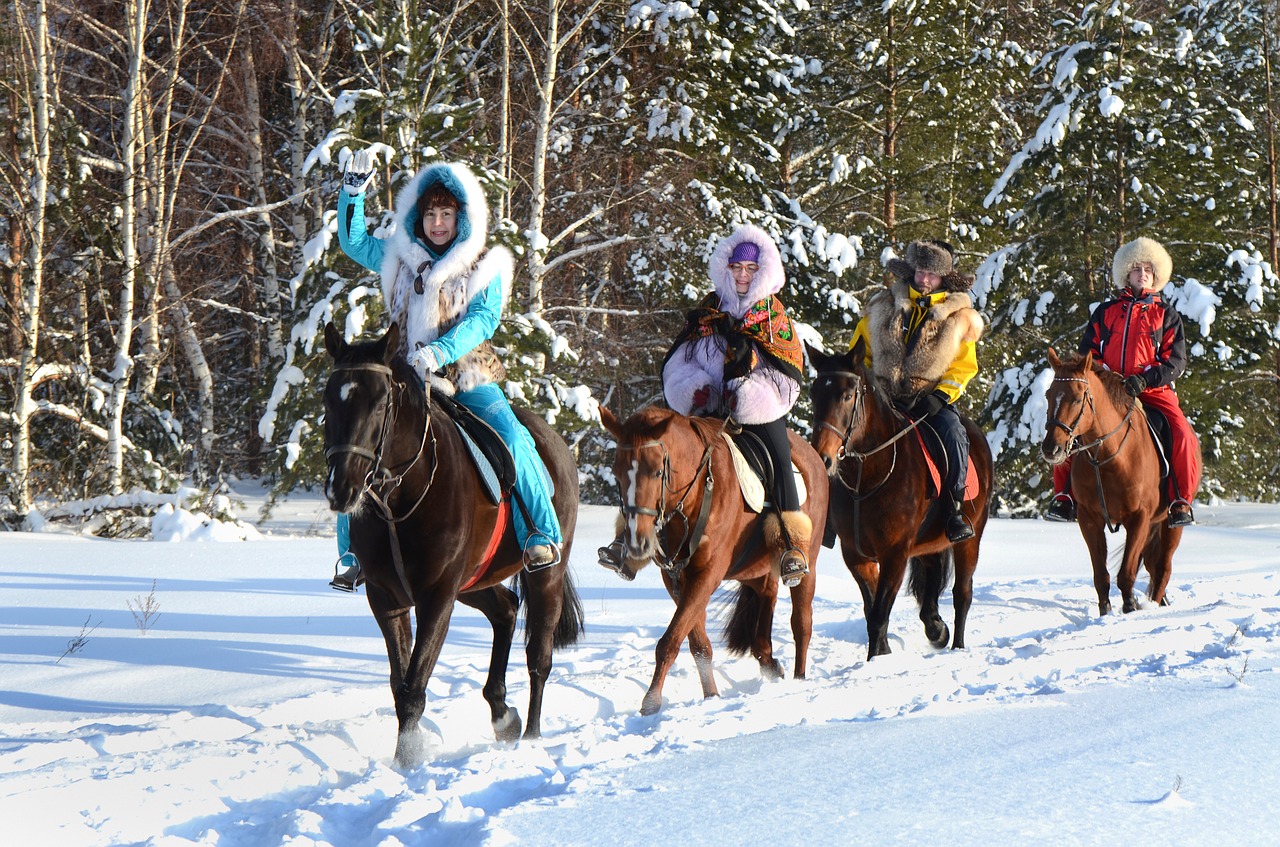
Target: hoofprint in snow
254,709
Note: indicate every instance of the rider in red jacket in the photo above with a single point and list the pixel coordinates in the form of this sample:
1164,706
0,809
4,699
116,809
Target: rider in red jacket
1139,335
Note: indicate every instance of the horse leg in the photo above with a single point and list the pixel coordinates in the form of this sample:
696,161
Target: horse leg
691,608
545,594
1159,559
927,576
766,600
1096,541
802,622
498,604
1135,541
700,649
433,615
893,568
965,562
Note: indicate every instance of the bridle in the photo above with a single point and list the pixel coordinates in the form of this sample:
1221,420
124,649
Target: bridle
846,450
381,481
673,563
1074,446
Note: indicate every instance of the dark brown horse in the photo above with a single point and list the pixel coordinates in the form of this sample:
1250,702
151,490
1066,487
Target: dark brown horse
667,467
421,526
880,506
1115,477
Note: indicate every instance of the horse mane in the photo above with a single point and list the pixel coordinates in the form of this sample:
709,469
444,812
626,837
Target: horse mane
1112,382
402,373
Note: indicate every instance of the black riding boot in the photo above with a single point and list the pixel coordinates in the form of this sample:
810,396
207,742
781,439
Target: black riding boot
958,526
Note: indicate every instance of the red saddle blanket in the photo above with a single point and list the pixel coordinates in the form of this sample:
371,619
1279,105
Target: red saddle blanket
935,475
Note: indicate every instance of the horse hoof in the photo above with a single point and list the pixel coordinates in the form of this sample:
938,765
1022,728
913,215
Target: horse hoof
507,728
940,636
772,670
650,705
411,749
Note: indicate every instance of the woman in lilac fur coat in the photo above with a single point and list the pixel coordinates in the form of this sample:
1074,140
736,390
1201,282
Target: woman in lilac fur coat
738,356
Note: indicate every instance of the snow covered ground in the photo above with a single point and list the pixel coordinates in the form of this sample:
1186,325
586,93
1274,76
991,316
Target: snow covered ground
254,709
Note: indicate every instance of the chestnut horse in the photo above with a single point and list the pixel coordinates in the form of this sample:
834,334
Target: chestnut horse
421,526
880,507
667,466
1115,477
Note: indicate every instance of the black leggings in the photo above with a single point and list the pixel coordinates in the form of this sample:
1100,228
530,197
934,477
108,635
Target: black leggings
774,436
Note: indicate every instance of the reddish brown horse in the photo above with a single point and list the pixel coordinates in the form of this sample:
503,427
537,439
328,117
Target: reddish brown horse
668,467
880,506
1115,477
421,526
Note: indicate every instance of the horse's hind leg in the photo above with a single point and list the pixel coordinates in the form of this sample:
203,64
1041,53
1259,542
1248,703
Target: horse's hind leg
927,576
498,604
1135,541
1159,560
545,595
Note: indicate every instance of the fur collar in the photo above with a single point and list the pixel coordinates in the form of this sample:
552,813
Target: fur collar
769,279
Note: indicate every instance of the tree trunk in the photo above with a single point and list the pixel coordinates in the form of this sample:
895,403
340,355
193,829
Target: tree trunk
24,404
266,233
541,143
890,149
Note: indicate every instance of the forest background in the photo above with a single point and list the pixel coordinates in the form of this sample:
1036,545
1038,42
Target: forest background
170,171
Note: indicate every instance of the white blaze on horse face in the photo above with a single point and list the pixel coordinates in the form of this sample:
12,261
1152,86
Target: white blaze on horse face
345,391
631,497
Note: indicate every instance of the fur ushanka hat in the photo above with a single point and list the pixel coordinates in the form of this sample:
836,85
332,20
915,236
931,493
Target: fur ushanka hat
934,256
1137,251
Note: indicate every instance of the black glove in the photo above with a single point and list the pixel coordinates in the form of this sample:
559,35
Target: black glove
927,405
1135,384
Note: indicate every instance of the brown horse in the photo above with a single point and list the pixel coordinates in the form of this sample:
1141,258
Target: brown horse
1115,477
676,476
421,527
880,506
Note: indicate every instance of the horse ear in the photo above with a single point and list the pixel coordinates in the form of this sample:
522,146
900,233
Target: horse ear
611,423
818,358
1088,362
333,342
1054,361
390,342
858,354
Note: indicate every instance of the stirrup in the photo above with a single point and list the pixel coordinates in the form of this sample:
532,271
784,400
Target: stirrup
541,556
1180,516
1062,509
611,558
793,568
347,580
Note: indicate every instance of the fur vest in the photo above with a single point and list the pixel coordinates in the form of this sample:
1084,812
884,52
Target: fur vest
908,369
429,295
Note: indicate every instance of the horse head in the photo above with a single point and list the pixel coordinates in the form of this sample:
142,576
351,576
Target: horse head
642,468
838,392
1070,405
358,400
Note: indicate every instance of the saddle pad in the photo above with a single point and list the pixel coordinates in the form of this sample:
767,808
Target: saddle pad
749,481
935,476
488,476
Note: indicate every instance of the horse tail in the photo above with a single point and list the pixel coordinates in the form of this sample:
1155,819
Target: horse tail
570,625
926,581
740,631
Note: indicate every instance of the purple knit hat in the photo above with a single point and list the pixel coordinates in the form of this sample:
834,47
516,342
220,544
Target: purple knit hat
745,252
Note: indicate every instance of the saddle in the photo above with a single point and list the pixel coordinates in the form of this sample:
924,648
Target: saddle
1161,437
754,469
490,454
935,460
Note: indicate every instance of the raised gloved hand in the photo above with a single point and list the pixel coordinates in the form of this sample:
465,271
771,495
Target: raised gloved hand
927,405
424,361
358,175
1135,384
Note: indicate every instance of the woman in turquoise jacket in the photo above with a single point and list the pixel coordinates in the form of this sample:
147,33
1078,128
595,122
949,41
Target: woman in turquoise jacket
447,292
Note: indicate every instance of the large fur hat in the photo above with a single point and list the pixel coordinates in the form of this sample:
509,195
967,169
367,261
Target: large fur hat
1137,251
934,256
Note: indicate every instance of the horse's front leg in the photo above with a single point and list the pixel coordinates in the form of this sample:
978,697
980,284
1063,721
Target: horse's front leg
691,609
498,605
1135,541
893,567
432,614
1095,539
397,630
